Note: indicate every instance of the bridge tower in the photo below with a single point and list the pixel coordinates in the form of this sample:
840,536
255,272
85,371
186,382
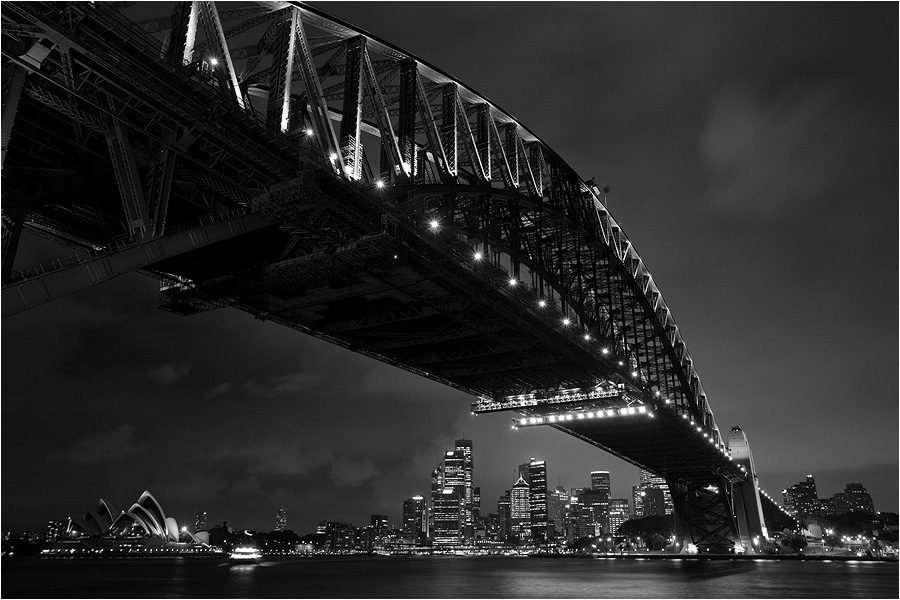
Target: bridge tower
745,496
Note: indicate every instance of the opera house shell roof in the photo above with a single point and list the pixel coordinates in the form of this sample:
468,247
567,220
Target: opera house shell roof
145,518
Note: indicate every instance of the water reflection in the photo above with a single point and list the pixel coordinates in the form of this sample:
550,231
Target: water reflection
715,568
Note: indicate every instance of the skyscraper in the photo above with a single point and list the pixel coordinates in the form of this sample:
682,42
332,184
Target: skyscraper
557,500
503,516
541,530
458,475
618,514
600,481
437,488
447,518
520,510
801,498
281,519
648,479
415,519
857,499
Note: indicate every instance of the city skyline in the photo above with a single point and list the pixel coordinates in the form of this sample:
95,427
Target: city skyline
764,203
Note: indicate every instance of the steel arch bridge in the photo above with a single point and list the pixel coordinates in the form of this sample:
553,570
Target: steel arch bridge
267,157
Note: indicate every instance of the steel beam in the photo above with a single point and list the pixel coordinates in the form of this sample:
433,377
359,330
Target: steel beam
25,294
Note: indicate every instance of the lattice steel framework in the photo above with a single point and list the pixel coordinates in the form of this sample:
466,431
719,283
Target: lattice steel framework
375,170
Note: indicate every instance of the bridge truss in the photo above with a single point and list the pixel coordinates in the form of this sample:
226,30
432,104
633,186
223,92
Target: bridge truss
268,157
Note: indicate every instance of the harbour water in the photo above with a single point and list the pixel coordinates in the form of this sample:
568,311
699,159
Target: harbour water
445,577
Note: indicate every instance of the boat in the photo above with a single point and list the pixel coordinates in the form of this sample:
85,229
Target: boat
245,554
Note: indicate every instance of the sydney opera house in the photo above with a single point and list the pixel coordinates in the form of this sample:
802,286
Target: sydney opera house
144,526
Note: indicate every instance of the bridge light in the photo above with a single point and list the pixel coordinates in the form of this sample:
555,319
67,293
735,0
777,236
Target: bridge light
590,415
634,373
542,303
568,417
551,418
657,392
213,61
605,351
434,224
477,256
642,409
580,415
379,184
512,282
566,321
309,132
587,337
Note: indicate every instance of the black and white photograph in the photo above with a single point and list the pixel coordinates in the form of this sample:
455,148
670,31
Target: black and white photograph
450,299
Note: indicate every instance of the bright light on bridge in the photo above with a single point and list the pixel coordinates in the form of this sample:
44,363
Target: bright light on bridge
379,184
477,256
434,224
580,415
542,303
512,282
566,321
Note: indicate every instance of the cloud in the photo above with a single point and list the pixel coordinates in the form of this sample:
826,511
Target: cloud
218,390
115,444
169,372
766,156
291,383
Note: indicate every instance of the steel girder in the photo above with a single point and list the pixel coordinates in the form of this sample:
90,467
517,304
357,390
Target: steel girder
170,136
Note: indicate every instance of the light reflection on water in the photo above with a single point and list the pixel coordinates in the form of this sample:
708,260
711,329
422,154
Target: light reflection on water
447,577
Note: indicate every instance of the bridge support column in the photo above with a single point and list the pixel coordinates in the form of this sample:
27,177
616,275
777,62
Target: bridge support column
704,520
746,500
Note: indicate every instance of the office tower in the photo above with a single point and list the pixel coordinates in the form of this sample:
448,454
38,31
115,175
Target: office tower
618,514
648,479
447,514
525,471
503,516
556,509
857,499
200,522
415,519
476,502
801,498
379,526
458,475
600,481
541,531
281,519
437,488
520,510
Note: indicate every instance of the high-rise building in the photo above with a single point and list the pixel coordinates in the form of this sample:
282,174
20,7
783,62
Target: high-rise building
557,500
600,481
520,510
503,516
801,498
447,513
618,514
415,519
200,522
857,499
281,519
437,488
648,479
458,475
541,530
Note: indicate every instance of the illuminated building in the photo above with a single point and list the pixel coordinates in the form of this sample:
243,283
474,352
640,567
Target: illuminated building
281,519
504,516
648,479
520,510
801,498
541,530
415,519
600,481
618,514
447,518
557,500
200,522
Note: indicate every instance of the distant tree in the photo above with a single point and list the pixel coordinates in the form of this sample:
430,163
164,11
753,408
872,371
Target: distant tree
794,541
657,542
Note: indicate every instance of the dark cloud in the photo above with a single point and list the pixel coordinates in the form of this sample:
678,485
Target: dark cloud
752,152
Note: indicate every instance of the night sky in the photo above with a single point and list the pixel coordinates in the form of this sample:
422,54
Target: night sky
752,155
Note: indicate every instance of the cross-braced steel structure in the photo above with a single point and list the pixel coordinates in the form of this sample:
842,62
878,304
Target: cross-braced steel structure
268,157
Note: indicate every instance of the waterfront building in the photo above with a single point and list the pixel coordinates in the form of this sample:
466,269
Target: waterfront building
594,512
54,530
520,510
415,519
458,474
801,498
281,519
339,537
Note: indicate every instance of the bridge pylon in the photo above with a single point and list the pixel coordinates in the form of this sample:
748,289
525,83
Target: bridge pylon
747,503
